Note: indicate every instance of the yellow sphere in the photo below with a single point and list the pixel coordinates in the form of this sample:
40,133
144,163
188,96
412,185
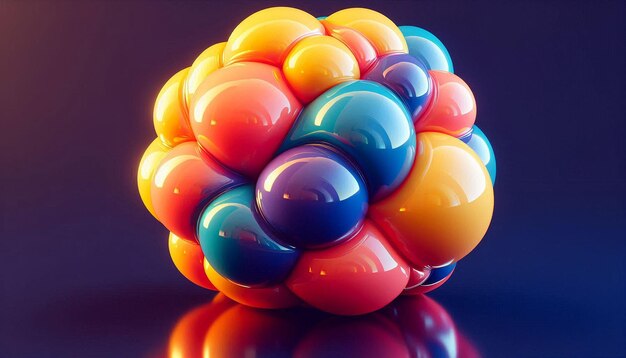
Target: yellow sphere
171,122
147,167
208,61
443,208
318,63
384,35
267,35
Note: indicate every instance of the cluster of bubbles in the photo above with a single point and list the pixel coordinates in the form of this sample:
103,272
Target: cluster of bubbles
331,161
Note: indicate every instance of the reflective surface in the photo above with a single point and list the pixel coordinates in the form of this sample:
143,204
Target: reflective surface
376,27
354,277
368,122
318,63
409,327
188,258
185,180
312,196
444,207
427,48
453,107
147,167
267,35
85,269
235,244
358,44
275,297
481,145
205,64
407,78
170,119
243,137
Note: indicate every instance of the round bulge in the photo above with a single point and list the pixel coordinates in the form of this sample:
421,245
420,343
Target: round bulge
318,63
443,208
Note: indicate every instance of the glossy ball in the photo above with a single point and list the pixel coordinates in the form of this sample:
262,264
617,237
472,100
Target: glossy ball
355,277
311,196
267,35
209,61
427,48
235,244
407,78
184,182
376,27
481,145
150,160
318,63
443,208
188,258
241,114
369,123
453,107
363,50
171,122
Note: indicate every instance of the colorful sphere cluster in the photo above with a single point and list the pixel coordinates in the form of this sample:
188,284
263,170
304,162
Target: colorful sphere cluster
332,162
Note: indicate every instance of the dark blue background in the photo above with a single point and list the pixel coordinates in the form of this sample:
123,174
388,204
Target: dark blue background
85,269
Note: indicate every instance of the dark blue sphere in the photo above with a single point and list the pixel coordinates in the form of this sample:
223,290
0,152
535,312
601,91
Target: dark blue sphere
312,196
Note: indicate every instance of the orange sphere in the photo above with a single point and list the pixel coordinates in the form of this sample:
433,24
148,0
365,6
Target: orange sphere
147,167
208,62
185,180
277,296
384,35
241,114
443,208
318,63
354,277
189,260
171,122
267,35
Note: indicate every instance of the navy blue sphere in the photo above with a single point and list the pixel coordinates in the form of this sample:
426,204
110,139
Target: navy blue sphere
407,77
312,196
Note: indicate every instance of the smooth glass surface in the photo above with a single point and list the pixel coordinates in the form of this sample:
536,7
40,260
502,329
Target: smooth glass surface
367,121
311,196
453,107
376,27
186,179
481,145
235,244
357,276
241,114
267,35
407,78
318,63
443,209
358,44
427,48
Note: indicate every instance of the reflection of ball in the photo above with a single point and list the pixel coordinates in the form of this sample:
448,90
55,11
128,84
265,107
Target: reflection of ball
312,196
331,161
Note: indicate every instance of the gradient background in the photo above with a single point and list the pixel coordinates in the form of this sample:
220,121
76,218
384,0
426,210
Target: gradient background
85,269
